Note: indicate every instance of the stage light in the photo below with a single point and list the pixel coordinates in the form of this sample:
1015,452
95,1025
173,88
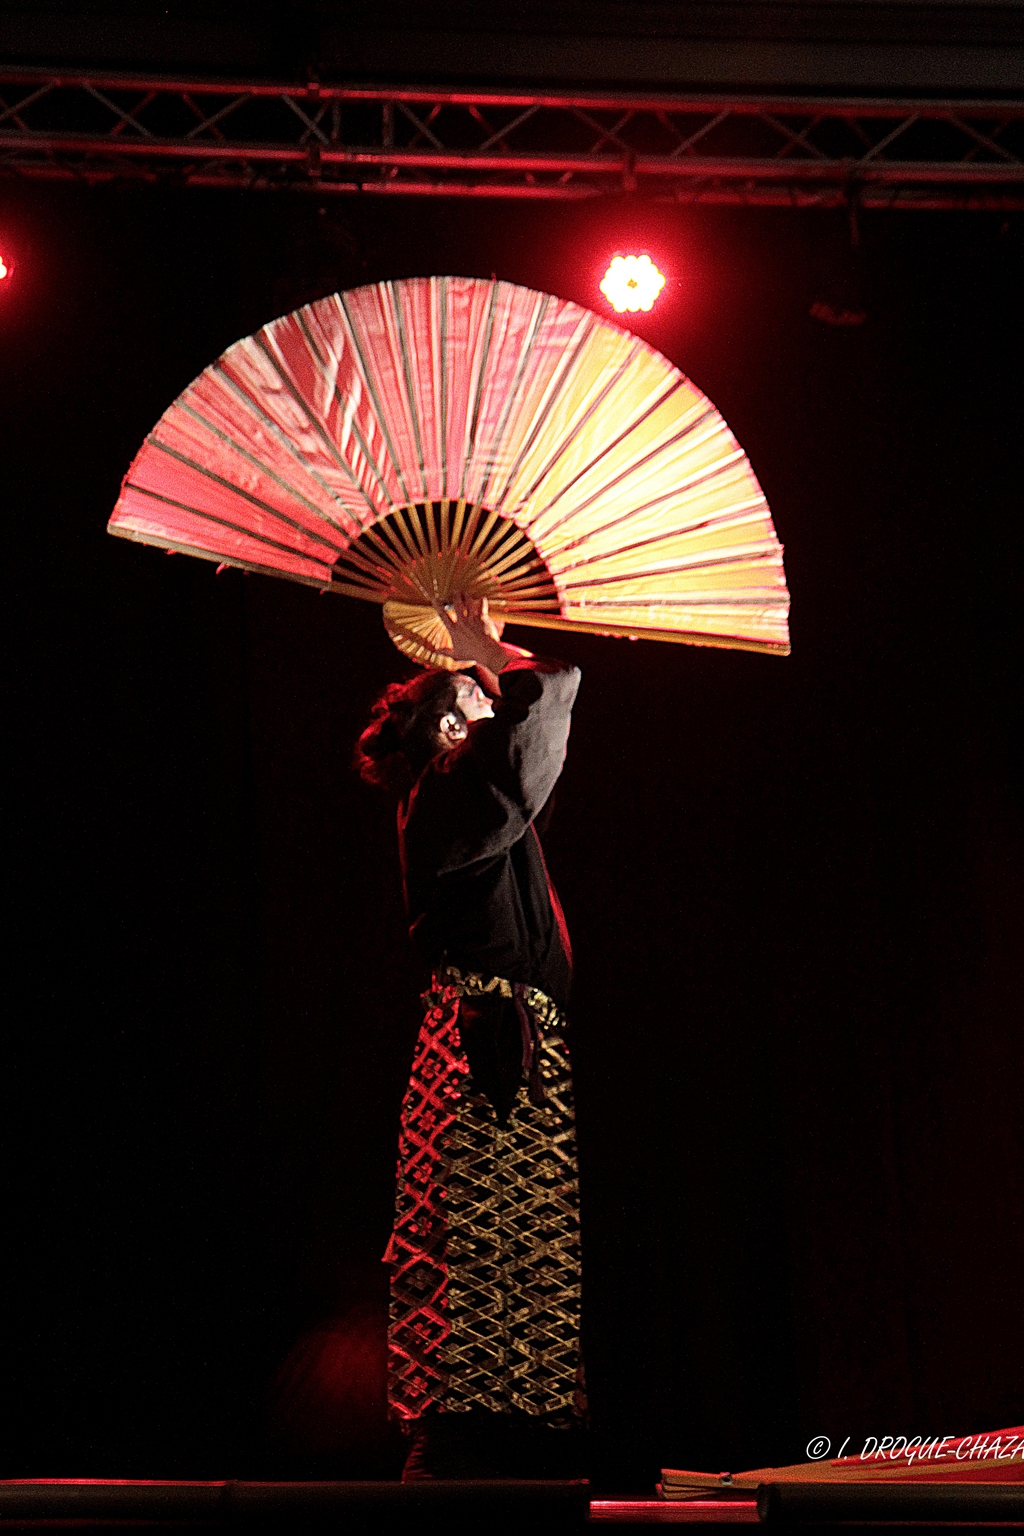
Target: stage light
5,267
632,282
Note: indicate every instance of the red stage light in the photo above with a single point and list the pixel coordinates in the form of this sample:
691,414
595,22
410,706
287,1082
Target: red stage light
5,267
632,282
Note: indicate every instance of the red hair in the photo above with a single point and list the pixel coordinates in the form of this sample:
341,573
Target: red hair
402,735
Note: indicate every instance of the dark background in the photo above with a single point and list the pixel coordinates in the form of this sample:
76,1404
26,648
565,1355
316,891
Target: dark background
939,47
793,885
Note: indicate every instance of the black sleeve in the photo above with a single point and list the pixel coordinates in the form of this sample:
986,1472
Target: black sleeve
479,800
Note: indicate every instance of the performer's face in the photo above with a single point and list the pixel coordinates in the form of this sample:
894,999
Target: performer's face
474,704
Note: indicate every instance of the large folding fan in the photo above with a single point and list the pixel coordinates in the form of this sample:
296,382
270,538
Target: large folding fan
409,440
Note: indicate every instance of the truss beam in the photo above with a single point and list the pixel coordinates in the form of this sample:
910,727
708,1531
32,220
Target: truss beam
776,151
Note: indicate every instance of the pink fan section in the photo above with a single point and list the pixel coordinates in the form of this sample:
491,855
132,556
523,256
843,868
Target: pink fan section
304,434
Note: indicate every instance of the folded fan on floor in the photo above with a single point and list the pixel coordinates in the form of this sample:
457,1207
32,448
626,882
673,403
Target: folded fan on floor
409,440
927,1459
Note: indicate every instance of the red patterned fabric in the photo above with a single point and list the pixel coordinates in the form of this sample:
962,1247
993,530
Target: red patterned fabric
485,1281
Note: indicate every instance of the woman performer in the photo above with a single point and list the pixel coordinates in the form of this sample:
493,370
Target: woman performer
484,1352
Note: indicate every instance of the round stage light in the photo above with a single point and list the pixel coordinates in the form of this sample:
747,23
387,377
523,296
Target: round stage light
5,269
632,282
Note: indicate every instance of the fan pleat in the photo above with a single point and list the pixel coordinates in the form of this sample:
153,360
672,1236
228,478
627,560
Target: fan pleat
470,457
642,471
252,365
571,448
407,440
518,341
383,382
638,519
154,519
169,474
351,419
677,552
569,430
202,449
218,392
550,368
573,483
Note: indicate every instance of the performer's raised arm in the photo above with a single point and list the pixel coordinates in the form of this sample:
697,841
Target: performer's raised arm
505,755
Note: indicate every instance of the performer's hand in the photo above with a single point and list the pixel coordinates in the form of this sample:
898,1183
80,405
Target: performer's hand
476,638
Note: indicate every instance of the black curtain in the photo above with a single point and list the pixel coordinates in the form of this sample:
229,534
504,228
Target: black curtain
793,885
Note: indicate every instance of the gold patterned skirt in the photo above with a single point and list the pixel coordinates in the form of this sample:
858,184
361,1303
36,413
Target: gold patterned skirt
485,1251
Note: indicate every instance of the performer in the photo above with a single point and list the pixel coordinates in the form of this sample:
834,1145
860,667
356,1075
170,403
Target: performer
484,1351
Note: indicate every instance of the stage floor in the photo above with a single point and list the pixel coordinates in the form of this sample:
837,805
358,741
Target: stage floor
483,1508
664,1512
98,1504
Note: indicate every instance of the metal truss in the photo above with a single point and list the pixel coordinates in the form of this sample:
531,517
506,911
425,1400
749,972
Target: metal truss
764,150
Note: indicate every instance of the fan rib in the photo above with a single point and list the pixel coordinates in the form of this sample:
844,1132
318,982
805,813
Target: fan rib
493,532
511,558
420,530
432,533
468,532
725,599
499,579
454,513
747,556
371,591
485,532
639,632
412,541
347,589
439,301
525,569
423,575
383,572
372,553
223,522
236,562
236,490
502,563
530,599
382,530
465,567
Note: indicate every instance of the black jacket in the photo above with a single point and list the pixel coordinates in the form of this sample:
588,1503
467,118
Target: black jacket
476,886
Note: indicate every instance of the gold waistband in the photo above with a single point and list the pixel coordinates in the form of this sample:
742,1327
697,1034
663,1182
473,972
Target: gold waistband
471,984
